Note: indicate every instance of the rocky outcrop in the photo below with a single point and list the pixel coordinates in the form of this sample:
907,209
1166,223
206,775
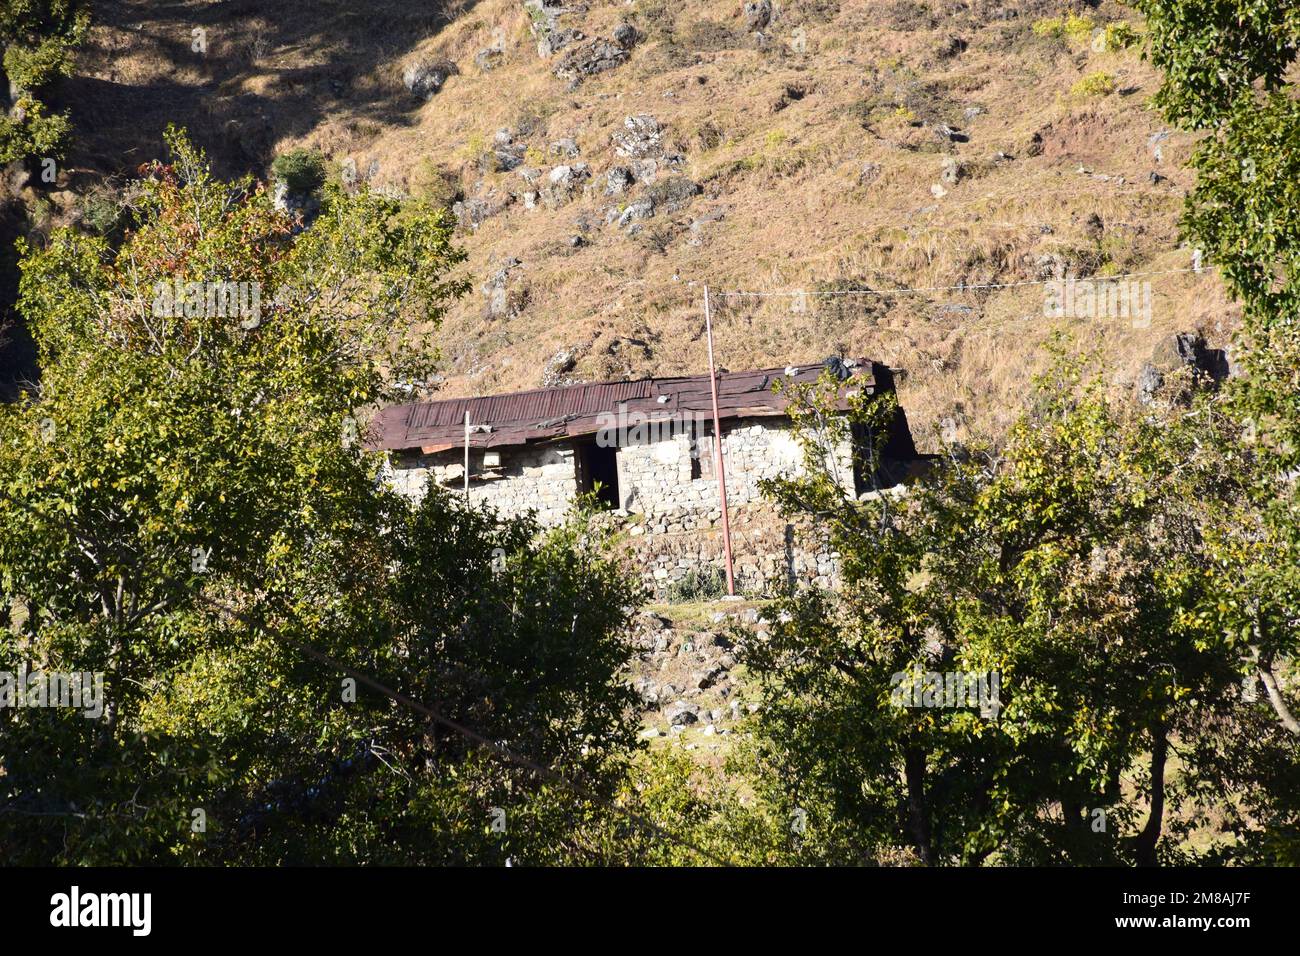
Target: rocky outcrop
562,183
549,21
591,58
1184,362
758,14
640,138
685,674
424,77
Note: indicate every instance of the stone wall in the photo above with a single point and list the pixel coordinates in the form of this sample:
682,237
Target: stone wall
677,473
670,476
769,553
538,478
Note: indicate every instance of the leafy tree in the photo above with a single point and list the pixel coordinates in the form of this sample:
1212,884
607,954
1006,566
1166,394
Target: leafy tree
1070,562
1229,73
302,170
187,504
1226,68
38,37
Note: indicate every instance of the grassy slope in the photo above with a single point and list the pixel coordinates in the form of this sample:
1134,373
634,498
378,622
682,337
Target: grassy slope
796,211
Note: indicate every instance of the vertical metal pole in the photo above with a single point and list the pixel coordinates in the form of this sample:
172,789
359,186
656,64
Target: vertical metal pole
717,449
467,456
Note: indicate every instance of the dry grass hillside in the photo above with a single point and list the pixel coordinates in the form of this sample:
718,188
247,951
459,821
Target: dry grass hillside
842,144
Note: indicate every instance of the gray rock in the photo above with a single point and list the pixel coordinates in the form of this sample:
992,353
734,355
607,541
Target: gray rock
565,147
503,159
562,183
682,714
591,58
558,40
555,372
471,213
640,138
641,209
1175,353
710,677
424,77
673,194
758,14
952,171
301,206
618,179
626,36
544,18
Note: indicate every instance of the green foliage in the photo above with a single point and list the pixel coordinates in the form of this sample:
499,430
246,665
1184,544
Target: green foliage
302,170
1072,562
698,584
1227,70
186,502
38,37
1072,27
1100,83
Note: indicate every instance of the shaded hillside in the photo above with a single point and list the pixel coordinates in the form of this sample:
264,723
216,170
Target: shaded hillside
603,174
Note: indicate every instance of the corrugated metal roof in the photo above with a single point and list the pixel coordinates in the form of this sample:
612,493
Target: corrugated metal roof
516,418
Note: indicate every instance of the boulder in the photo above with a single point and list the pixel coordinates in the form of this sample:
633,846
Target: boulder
591,58
562,182
673,193
1178,352
626,36
641,137
758,14
618,179
682,714
425,77
641,209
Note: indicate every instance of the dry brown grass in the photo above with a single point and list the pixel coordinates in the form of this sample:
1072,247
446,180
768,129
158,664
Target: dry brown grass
796,211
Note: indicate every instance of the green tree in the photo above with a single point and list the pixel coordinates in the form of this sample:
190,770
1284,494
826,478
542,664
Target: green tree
1070,561
38,37
187,503
1229,74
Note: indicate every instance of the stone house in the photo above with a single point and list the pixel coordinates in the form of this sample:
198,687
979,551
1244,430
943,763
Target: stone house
644,447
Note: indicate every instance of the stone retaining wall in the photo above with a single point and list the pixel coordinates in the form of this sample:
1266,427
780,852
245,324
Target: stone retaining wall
770,554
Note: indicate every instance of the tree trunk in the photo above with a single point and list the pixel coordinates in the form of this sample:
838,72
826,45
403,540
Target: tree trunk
918,812
1145,844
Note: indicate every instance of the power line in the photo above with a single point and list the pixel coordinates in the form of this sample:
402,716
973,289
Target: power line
797,293
497,749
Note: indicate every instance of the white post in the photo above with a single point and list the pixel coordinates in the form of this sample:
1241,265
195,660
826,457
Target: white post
467,456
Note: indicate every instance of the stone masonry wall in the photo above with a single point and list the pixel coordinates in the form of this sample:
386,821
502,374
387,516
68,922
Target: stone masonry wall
656,478
770,554
542,479
672,475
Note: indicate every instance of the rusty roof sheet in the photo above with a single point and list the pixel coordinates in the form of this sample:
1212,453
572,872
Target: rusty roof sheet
517,418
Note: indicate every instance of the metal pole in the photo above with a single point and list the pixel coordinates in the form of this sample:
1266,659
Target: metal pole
717,449
467,455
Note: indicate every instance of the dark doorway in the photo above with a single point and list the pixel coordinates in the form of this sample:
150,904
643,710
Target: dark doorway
598,472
